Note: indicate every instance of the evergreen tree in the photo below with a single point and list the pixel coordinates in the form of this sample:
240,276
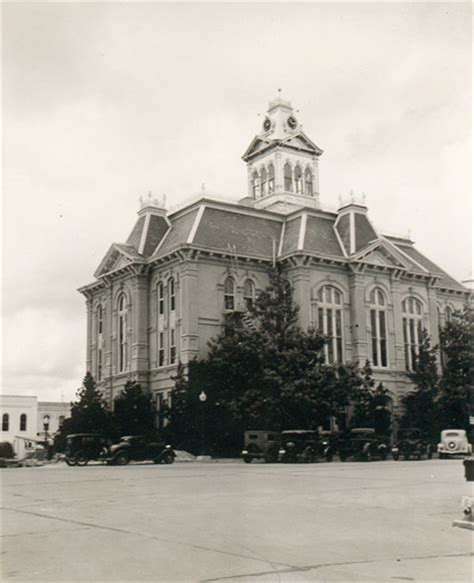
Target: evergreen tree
457,382
133,411
89,413
421,410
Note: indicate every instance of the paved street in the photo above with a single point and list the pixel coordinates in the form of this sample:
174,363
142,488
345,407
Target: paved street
379,521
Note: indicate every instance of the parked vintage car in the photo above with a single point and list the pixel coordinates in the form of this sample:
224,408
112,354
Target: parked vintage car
362,443
453,442
411,443
261,444
83,447
299,445
139,448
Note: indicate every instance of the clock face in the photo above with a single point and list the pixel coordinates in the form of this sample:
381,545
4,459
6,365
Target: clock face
292,122
267,124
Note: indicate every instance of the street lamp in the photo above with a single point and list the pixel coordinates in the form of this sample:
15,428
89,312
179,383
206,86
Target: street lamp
203,399
46,419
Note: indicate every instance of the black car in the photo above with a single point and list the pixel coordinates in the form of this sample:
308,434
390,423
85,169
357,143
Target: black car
83,447
140,448
362,443
411,443
299,445
261,444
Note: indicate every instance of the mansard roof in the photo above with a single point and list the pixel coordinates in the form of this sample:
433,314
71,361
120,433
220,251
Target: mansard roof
230,228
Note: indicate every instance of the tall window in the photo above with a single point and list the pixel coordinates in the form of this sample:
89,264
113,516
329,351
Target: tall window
298,179
412,327
172,346
100,329
161,299
271,179
330,322
161,349
122,332
23,422
172,294
61,421
256,185
249,293
378,324
448,314
229,294
263,182
308,179
5,422
288,178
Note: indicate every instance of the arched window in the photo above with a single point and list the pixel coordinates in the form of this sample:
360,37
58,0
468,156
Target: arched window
161,298
122,333
330,322
61,421
263,182
298,180
448,314
23,422
5,422
172,294
378,324
256,185
412,313
271,179
100,329
308,181
229,294
249,293
288,178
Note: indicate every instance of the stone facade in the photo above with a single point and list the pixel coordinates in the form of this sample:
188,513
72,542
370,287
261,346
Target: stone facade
161,296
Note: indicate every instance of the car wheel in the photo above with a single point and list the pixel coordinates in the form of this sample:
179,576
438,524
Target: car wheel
271,458
329,457
248,460
383,455
429,453
368,457
121,459
71,461
168,458
396,456
342,457
81,459
442,456
308,457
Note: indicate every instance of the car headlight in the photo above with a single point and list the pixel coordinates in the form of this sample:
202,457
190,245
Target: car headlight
244,452
167,446
282,451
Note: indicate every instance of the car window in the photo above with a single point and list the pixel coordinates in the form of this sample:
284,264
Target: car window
453,434
253,436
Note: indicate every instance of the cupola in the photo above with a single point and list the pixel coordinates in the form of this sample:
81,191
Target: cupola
282,162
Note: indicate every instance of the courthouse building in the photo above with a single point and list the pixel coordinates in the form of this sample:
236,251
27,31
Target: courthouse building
161,295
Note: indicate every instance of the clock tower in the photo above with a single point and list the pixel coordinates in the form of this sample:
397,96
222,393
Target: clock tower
282,162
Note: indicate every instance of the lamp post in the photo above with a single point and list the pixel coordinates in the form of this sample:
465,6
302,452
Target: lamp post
203,399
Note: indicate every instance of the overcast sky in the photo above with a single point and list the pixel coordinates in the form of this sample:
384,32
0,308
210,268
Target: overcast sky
104,102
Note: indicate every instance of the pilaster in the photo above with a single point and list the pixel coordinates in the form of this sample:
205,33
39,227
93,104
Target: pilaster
189,298
358,317
139,347
301,294
397,356
89,334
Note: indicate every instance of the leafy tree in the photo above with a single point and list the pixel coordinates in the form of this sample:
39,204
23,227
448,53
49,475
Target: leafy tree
89,413
263,372
421,408
133,411
457,382
371,403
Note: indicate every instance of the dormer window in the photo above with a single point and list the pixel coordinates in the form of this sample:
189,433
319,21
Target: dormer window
256,185
271,179
308,179
298,180
288,178
263,182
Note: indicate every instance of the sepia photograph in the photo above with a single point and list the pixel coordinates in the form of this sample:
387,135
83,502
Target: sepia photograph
237,292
